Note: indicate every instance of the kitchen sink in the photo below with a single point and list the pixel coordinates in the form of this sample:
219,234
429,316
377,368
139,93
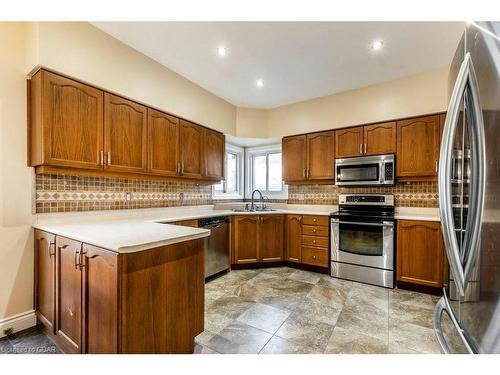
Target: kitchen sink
254,210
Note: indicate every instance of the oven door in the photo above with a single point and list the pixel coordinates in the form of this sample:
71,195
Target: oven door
363,243
358,174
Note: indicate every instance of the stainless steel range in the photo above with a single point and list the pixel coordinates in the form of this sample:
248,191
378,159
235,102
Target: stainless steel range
362,239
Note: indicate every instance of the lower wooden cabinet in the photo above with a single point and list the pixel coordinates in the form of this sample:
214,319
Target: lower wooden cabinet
92,300
293,238
421,257
257,238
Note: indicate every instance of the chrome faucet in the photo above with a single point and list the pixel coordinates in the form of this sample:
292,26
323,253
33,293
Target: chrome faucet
252,206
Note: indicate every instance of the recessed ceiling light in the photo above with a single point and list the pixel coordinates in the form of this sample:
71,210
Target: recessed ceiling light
221,51
376,45
260,82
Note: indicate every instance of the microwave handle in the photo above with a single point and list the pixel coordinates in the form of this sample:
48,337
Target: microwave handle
382,171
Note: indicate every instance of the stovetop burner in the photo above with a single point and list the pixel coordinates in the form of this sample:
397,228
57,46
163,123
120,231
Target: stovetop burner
370,207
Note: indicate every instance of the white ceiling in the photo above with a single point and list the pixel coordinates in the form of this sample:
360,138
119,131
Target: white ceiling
296,60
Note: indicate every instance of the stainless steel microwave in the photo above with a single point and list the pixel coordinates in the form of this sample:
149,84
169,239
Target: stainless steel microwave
365,170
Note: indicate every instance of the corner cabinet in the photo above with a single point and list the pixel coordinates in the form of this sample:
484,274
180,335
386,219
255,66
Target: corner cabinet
418,143
293,238
257,238
421,257
77,129
92,300
309,157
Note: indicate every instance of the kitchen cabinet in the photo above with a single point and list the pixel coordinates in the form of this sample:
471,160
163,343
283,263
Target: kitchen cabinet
294,151
65,122
308,157
151,301
421,257
375,139
257,238
271,238
77,129
191,150
315,240
379,139
125,135
69,295
245,247
214,146
293,238
349,142
418,142
163,143
100,299
45,273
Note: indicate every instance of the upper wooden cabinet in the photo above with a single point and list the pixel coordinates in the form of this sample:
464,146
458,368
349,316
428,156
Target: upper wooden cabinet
421,256
418,141
214,150
66,122
75,128
125,135
191,149
294,151
376,139
379,139
349,142
308,157
163,143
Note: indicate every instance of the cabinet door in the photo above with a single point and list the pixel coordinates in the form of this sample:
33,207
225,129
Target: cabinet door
191,149
125,135
69,295
72,123
100,300
349,142
320,155
418,147
420,253
294,158
380,139
163,143
293,238
245,238
45,278
271,238
214,145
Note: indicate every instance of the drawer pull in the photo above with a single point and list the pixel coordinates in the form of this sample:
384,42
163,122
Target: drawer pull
314,257
314,230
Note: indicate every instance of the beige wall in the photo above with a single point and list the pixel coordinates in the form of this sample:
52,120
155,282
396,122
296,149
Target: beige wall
414,95
16,179
80,50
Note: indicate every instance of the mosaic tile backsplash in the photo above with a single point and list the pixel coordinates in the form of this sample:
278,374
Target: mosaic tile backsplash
412,194
62,193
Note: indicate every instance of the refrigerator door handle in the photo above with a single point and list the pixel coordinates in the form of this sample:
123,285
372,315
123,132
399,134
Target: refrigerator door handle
444,177
478,175
443,306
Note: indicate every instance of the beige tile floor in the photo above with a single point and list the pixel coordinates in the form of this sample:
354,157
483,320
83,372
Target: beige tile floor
284,310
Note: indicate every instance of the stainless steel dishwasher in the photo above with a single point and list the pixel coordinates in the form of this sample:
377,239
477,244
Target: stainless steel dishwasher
216,245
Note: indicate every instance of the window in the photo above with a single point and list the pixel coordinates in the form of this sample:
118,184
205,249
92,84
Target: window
264,171
232,187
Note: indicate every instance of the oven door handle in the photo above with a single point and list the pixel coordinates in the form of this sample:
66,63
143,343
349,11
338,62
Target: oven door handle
384,224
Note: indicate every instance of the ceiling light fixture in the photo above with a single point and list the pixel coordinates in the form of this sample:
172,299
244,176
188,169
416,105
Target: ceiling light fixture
221,51
377,45
260,82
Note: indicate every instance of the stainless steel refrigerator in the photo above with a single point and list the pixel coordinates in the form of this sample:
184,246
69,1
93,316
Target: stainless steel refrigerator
467,317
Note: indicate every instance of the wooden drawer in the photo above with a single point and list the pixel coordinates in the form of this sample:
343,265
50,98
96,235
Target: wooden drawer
314,256
315,241
313,230
315,220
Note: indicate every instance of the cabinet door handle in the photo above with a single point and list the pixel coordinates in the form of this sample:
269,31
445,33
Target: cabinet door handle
300,219
314,257
109,158
80,259
76,256
365,148
52,253
360,148
304,173
182,168
314,230
436,166
206,171
102,158
307,173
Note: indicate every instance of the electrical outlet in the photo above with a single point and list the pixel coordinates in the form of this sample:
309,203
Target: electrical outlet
128,196
301,196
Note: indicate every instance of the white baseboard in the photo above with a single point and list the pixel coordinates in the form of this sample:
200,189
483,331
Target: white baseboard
18,322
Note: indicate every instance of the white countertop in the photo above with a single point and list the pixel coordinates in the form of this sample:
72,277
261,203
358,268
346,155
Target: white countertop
126,231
